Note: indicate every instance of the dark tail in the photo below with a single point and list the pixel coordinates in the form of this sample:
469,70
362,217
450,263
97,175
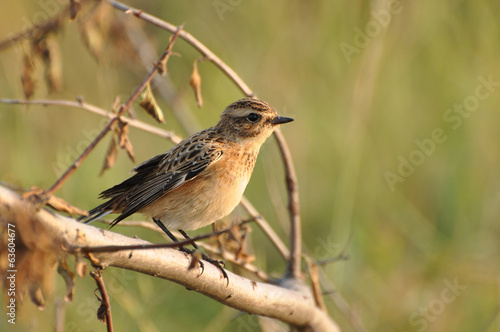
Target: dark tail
96,213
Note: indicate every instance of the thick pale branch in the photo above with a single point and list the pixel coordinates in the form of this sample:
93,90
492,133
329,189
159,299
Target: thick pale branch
226,255
288,301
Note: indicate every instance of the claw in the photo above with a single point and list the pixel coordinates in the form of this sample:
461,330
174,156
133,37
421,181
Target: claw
218,264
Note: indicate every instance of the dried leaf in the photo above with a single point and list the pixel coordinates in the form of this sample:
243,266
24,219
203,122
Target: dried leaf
122,42
74,7
51,56
123,141
36,296
102,311
37,252
94,29
111,154
80,266
34,193
92,38
149,104
130,150
61,205
27,77
122,132
195,83
69,279
116,104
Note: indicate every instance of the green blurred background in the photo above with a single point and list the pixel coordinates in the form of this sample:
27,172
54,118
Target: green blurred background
366,96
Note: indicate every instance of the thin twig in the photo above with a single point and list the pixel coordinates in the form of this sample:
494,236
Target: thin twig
97,110
35,30
104,311
266,228
58,184
315,285
87,250
147,53
294,267
190,39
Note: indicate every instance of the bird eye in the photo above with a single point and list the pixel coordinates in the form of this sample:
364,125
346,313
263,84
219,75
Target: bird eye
252,117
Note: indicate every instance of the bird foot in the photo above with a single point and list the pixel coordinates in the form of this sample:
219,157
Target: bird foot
218,264
195,258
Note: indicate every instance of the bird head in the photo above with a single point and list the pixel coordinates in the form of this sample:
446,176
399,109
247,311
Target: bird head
250,120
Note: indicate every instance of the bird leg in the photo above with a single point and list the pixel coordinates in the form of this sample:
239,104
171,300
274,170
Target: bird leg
173,238
181,248
204,256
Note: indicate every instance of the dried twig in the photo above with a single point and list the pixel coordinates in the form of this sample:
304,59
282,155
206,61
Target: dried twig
315,284
57,185
104,311
100,111
294,266
177,244
35,30
210,56
266,228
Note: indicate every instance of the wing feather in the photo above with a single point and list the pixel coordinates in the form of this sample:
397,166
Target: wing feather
162,174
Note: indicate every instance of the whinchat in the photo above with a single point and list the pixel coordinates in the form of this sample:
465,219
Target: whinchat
201,179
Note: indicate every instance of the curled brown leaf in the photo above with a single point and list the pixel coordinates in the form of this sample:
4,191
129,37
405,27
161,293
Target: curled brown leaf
110,158
149,104
61,205
74,7
69,279
195,83
123,140
27,79
51,55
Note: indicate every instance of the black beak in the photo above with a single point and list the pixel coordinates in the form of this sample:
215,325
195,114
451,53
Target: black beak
281,119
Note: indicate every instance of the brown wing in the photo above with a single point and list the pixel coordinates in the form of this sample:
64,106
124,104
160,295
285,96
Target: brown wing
157,176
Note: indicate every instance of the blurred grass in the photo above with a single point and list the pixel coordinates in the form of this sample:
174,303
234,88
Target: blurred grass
353,121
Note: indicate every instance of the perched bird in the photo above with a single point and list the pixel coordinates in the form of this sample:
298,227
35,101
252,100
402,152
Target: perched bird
201,179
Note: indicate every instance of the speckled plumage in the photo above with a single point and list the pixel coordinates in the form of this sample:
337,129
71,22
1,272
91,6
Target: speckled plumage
201,179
